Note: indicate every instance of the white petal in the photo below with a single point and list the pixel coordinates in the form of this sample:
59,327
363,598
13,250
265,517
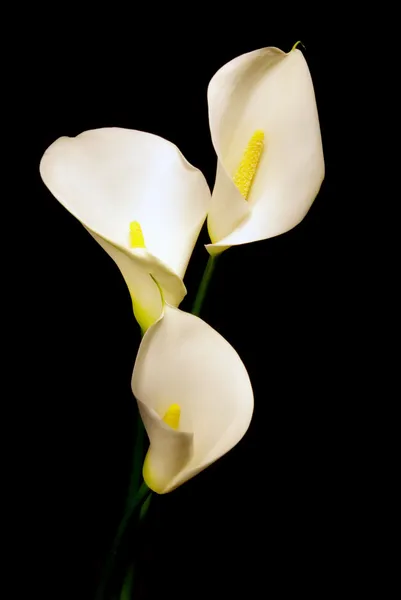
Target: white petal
183,360
109,177
169,450
141,270
271,91
228,208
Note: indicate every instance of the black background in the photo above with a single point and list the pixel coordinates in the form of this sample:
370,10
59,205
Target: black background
267,518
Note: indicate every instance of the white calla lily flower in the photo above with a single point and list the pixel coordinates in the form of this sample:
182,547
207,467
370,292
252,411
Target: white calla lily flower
194,396
265,130
140,199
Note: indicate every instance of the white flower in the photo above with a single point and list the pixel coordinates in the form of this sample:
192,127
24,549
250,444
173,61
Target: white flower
265,99
194,396
140,199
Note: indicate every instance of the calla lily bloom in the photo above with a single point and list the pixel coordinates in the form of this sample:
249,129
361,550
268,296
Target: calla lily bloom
265,130
140,199
194,396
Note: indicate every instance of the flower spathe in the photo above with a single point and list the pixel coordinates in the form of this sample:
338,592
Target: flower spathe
268,94
194,396
140,199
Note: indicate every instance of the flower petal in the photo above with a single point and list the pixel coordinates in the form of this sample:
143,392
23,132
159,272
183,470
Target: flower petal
228,208
108,178
169,450
183,360
271,91
141,271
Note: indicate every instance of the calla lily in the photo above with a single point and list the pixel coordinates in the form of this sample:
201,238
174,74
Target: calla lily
194,397
265,130
140,199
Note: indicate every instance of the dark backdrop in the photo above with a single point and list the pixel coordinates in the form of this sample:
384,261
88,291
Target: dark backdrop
266,518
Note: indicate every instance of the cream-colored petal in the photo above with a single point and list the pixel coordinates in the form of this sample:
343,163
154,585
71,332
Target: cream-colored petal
183,360
141,271
271,91
169,450
228,209
109,177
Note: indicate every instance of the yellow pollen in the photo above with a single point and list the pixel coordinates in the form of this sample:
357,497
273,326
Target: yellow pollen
245,173
135,235
172,416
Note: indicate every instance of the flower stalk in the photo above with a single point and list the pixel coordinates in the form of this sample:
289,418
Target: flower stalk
204,285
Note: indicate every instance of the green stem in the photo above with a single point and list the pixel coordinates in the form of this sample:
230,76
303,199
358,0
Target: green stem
135,497
126,591
137,459
133,504
145,508
127,587
204,284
